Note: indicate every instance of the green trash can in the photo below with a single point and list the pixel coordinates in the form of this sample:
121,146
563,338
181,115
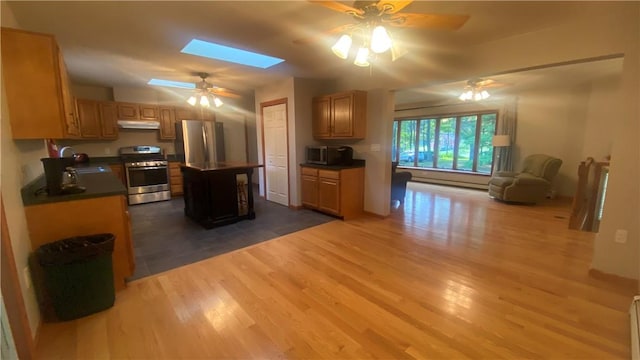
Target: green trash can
78,274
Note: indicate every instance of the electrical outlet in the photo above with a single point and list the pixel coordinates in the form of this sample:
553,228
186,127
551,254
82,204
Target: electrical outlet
621,236
27,277
107,151
375,147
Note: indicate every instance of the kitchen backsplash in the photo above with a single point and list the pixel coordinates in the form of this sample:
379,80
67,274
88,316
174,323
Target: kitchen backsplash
126,137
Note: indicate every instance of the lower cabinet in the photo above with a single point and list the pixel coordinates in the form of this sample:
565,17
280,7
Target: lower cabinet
175,178
118,171
55,221
335,192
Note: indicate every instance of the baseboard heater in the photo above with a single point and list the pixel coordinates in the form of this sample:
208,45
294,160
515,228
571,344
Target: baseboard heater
634,316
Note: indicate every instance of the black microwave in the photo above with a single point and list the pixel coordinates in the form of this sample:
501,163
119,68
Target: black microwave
329,155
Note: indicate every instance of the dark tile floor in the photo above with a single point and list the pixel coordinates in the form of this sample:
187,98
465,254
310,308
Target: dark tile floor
164,238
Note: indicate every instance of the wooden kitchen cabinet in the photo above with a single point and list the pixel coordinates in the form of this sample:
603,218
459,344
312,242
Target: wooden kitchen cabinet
128,111
89,117
167,123
340,116
329,191
33,70
133,111
109,120
98,120
175,178
118,171
60,220
184,113
309,187
148,112
335,192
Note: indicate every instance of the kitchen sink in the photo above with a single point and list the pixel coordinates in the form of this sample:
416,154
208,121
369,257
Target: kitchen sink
92,169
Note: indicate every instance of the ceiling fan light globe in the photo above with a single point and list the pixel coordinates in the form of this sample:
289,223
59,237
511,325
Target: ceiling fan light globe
204,102
192,101
485,94
362,57
380,40
467,95
342,46
217,102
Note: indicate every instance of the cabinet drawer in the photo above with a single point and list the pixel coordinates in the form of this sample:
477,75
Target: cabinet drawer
329,174
309,171
174,171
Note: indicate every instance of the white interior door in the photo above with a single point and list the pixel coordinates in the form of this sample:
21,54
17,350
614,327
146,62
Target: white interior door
275,153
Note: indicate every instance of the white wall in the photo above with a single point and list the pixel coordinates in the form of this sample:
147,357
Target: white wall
20,164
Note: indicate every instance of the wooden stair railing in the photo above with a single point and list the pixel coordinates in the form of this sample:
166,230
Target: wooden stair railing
589,198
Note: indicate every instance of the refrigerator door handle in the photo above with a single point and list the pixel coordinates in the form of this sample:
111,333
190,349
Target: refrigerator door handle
206,144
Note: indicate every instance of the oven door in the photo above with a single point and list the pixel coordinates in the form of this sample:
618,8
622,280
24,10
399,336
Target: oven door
146,179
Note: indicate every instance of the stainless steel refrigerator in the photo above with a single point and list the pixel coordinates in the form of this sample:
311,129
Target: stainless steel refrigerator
199,142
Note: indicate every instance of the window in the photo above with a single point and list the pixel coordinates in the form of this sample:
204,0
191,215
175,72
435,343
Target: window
457,142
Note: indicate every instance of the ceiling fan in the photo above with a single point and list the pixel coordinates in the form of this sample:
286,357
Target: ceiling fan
371,18
476,89
387,12
205,86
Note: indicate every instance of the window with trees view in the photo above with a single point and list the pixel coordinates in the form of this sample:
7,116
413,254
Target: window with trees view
452,142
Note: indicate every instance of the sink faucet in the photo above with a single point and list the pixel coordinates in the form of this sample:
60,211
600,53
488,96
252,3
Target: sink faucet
61,152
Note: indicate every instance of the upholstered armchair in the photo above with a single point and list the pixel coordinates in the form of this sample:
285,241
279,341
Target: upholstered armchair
398,183
529,186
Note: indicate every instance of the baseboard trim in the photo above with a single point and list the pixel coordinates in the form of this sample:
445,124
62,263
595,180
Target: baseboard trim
597,274
382,217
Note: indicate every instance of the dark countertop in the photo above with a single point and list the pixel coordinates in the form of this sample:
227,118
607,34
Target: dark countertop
216,166
97,184
357,163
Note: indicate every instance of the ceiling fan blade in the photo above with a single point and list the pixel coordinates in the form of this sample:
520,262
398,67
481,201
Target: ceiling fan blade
429,21
334,5
394,6
317,38
485,82
223,92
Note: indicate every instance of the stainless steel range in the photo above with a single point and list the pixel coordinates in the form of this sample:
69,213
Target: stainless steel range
147,174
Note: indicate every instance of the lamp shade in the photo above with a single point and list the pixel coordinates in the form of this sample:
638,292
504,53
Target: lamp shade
342,46
501,140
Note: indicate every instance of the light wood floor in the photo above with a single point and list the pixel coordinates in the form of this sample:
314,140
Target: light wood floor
452,274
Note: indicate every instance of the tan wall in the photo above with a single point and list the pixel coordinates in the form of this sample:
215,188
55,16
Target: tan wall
598,137
20,164
275,91
552,121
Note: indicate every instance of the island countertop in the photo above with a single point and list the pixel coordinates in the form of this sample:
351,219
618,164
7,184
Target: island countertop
218,166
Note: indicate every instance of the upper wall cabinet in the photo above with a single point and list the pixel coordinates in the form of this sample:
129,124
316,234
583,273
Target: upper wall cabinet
38,97
167,123
131,111
340,116
98,120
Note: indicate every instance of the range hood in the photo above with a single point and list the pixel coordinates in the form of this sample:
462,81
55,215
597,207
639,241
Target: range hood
139,124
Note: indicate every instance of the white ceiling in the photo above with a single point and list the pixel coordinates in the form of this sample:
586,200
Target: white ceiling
124,44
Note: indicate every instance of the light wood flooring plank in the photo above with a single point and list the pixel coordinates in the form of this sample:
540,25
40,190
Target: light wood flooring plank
451,274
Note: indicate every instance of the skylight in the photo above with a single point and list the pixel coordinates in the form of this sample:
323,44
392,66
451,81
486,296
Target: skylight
226,53
178,84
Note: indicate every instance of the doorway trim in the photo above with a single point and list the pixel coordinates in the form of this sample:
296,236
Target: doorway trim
280,101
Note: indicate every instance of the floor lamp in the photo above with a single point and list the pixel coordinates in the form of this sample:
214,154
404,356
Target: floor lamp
499,141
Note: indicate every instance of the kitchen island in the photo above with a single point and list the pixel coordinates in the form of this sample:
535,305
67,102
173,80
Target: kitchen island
219,193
